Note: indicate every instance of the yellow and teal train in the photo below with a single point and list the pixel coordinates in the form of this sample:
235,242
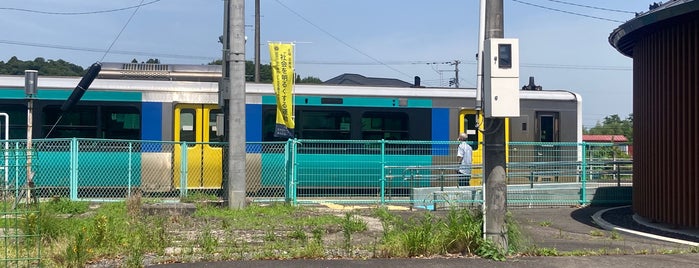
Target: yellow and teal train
179,103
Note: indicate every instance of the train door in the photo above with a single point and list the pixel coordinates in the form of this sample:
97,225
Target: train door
547,131
196,125
547,127
469,125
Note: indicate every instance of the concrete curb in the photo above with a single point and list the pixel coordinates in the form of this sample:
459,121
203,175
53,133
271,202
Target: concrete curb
597,218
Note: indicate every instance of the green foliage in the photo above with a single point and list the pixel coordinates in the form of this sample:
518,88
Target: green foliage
463,231
78,250
308,80
65,206
207,241
350,225
614,125
423,239
514,234
489,250
15,66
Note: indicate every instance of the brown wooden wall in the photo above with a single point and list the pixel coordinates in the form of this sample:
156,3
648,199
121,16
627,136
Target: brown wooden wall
666,123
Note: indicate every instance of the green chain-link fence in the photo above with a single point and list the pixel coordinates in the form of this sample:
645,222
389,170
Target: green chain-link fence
19,226
312,171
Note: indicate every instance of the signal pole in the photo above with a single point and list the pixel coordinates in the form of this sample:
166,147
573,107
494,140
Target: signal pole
232,95
494,153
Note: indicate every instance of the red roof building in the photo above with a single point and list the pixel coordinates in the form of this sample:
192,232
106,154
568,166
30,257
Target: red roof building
605,138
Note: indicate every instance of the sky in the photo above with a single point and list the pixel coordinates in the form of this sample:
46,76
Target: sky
563,43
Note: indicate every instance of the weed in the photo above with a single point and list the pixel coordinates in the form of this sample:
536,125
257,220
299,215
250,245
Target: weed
514,235
596,233
65,206
537,251
614,235
463,231
207,241
78,251
489,250
270,236
545,223
101,224
422,238
298,233
350,225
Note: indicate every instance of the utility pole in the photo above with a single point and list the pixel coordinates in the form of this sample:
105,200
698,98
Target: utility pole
456,72
257,41
494,153
232,95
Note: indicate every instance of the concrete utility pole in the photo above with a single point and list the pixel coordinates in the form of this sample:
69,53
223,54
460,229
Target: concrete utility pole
233,95
257,41
494,154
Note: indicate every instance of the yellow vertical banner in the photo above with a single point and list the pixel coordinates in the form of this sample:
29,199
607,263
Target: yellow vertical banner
282,62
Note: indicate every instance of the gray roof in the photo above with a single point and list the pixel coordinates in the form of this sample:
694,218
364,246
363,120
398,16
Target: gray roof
360,80
624,37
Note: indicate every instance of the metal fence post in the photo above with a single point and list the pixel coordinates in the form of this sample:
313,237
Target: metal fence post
130,169
74,169
287,171
183,170
383,172
583,180
294,172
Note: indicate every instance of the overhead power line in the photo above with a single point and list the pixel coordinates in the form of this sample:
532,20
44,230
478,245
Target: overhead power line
567,12
99,50
592,7
342,63
77,13
340,40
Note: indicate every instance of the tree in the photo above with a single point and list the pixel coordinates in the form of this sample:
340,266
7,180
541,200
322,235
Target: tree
308,80
15,66
266,73
614,125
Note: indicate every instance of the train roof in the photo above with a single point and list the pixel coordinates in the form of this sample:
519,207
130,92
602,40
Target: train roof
259,88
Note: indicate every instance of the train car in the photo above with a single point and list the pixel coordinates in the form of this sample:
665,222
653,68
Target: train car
179,103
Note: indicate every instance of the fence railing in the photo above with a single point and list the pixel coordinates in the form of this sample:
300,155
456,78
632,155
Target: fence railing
384,172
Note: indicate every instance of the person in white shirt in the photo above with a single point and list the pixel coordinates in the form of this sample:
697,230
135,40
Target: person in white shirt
464,154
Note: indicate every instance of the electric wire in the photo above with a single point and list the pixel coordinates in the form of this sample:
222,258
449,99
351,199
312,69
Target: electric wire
340,40
103,56
591,7
101,50
122,30
78,13
567,12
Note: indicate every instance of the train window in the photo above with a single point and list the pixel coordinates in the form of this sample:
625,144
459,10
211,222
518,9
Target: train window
81,122
187,123
471,129
269,121
213,137
326,125
385,125
121,123
18,120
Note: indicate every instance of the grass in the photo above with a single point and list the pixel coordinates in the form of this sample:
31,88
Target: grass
74,233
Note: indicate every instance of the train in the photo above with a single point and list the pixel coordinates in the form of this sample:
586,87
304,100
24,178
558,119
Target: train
180,103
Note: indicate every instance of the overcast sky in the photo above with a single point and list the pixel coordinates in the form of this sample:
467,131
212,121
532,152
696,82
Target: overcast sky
563,43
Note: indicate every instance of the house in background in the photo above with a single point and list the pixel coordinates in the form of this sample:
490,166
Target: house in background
619,140
360,80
